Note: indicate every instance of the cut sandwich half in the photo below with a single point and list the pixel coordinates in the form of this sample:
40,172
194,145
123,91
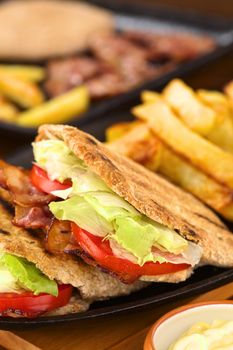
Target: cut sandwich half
88,202
125,219
35,283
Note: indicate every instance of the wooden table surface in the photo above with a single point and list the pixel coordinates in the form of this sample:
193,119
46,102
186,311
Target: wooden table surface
125,331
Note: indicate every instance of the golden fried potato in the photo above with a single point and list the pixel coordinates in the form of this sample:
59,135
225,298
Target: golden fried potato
24,72
229,89
145,148
185,175
206,156
140,145
222,133
58,110
24,93
150,96
8,112
214,98
117,130
183,100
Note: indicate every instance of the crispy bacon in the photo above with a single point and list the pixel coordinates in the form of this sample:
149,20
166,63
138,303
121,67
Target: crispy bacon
117,62
58,236
32,217
30,204
17,182
66,73
177,47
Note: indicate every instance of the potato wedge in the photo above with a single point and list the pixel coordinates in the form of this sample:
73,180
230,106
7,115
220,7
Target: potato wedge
117,130
191,111
58,110
150,96
204,155
140,145
24,72
24,93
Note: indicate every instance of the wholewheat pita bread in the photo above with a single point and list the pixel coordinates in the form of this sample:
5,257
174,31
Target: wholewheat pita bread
39,29
91,282
75,305
150,194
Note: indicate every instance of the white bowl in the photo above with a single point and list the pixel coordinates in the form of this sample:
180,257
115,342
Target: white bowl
173,324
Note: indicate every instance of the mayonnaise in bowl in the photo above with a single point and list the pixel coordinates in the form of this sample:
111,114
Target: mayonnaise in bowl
204,336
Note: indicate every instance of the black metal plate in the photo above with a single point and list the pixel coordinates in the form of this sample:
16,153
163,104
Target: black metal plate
204,279
151,18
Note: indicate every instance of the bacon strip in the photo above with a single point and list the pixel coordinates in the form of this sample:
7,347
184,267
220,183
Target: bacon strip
58,236
22,190
32,217
31,209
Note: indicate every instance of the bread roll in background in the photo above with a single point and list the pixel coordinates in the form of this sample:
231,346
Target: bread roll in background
39,29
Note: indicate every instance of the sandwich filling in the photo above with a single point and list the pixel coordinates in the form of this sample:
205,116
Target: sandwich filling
103,223
26,291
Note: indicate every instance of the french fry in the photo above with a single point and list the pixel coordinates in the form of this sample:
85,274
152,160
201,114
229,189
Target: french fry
140,145
24,72
212,160
191,111
117,130
214,99
8,112
150,96
58,110
173,167
24,93
222,133
183,174
229,89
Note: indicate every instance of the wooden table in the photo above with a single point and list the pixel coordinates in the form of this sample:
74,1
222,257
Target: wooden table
126,331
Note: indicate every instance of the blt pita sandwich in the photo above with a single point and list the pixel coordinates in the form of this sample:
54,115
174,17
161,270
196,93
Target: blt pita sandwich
34,282
109,214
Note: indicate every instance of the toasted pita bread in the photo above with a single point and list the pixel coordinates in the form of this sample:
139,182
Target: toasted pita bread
75,305
39,29
150,194
91,282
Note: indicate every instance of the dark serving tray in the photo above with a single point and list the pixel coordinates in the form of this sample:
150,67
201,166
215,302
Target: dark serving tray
204,279
152,18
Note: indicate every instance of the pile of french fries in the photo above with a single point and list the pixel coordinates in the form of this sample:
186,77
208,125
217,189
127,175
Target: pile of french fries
187,136
22,100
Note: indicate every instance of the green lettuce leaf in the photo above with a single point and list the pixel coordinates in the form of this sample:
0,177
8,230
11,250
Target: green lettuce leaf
27,275
77,210
137,235
8,281
95,208
57,159
133,231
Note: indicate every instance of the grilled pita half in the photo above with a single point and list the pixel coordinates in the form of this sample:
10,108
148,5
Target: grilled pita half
91,283
151,195
39,29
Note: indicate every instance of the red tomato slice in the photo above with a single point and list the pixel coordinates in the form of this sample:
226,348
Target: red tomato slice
100,250
29,305
40,179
